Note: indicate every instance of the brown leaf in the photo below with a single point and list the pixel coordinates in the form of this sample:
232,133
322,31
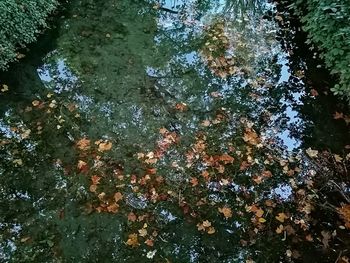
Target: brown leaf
226,158
326,238
149,242
132,217
95,179
279,229
206,123
118,196
338,115
314,92
194,181
251,137
226,211
181,106
113,208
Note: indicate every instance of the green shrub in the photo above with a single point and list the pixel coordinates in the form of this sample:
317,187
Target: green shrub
327,23
20,22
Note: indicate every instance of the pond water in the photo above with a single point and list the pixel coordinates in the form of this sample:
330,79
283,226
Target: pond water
178,131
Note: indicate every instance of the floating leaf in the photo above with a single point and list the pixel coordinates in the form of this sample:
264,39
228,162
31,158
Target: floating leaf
194,181
132,217
142,232
226,211
262,220
211,230
133,240
118,196
281,217
83,144
181,106
104,146
279,229
113,208
312,153
35,103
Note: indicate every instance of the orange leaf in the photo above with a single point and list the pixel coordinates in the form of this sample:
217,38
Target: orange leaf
95,179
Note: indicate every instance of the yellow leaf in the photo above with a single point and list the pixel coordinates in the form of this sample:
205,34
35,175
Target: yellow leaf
262,220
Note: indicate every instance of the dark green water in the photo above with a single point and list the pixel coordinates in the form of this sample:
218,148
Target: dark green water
119,71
